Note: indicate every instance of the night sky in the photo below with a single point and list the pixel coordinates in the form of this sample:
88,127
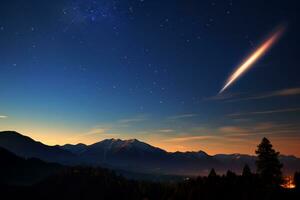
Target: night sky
85,70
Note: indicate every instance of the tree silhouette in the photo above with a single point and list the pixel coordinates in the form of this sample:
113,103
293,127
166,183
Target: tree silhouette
212,173
268,164
297,180
246,171
230,174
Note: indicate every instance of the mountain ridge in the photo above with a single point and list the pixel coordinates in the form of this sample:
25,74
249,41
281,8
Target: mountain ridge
133,154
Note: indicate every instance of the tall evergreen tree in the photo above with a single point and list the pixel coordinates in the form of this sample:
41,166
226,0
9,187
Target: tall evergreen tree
297,180
212,173
268,164
246,171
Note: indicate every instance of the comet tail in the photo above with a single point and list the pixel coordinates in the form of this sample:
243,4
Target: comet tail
259,52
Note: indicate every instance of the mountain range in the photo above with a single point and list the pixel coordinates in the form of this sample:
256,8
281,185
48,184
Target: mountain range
134,155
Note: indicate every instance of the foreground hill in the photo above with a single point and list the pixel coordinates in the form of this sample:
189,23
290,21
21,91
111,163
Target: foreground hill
134,155
15,170
98,183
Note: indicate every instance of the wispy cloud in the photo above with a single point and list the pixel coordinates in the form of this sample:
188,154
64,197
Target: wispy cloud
284,92
239,120
256,129
276,93
93,135
182,116
234,97
232,129
265,112
235,133
100,132
189,138
166,130
132,120
222,97
97,131
215,138
3,116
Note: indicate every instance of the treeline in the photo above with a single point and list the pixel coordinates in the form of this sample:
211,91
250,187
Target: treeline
96,183
231,186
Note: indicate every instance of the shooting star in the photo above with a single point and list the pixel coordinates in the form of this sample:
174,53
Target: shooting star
250,60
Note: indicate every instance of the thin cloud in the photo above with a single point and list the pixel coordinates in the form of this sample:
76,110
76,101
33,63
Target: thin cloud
100,132
97,131
3,116
233,129
239,120
132,120
286,92
183,116
166,130
276,93
189,138
235,97
203,137
258,129
222,97
265,112
93,135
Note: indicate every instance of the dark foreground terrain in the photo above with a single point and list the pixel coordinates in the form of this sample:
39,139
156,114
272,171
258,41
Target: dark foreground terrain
92,183
35,179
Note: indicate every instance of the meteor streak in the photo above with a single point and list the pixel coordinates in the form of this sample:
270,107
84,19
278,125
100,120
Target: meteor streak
259,52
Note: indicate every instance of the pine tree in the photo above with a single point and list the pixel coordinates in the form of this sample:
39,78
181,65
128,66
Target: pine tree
212,173
268,164
230,174
246,171
297,180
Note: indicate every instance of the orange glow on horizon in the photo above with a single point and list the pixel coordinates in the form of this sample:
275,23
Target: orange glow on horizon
210,145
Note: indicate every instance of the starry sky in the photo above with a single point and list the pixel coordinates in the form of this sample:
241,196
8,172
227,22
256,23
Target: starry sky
85,70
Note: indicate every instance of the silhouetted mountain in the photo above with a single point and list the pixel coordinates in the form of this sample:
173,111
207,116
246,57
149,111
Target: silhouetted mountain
134,155
144,158
124,154
19,171
28,148
76,149
236,162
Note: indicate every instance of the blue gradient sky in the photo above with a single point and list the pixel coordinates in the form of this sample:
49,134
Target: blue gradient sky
84,70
